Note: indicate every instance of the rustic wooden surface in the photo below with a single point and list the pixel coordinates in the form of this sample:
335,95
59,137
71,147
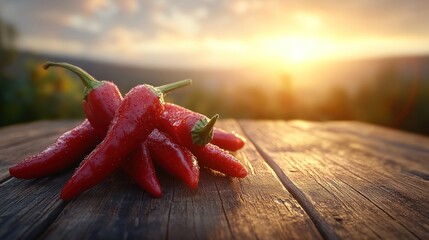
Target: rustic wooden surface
306,181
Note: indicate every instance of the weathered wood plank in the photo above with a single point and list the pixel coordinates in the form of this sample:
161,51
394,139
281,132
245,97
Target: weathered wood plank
391,136
354,180
354,193
379,156
269,207
28,207
115,209
222,207
410,159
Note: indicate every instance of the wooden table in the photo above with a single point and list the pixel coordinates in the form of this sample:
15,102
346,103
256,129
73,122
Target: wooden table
306,181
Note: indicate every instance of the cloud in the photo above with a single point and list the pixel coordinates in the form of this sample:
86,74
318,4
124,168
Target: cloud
120,39
240,7
52,45
176,22
163,28
81,23
130,6
92,7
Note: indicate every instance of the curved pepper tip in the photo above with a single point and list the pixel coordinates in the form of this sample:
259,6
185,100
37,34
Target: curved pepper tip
14,171
68,192
156,192
239,140
65,195
193,183
20,171
242,173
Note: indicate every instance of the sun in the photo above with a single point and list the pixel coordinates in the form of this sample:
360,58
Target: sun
298,55
293,49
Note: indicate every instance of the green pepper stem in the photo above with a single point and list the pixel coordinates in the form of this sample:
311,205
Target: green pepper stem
172,86
89,81
202,132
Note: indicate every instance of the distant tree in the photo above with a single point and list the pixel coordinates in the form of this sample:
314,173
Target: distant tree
396,98
8,36
285,106
337,105
7,55
374,99
28,92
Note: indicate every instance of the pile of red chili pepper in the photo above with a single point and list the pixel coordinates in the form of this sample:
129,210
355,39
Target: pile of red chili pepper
132,133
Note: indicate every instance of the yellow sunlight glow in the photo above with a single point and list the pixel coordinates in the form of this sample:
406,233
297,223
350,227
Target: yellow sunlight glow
294,49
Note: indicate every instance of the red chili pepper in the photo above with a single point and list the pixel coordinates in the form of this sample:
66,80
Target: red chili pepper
213,157
174,113
227,140
64,152
134,120
75,144
101,98
179,122
135,165
100,106
174,158
140,167
188,128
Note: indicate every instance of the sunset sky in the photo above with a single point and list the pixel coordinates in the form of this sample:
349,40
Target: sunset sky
220,33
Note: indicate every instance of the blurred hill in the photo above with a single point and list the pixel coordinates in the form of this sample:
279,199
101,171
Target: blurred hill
126,76
315,79
350,75
392,91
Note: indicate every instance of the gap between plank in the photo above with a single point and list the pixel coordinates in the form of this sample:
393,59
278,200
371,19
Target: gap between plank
5,179
321,225
53,211
419,174
169,212
381,209
52,217
362,194
223,209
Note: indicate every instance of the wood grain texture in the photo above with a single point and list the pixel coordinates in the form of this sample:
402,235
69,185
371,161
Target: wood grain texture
405,151
306,181
28,207
221,208
355,193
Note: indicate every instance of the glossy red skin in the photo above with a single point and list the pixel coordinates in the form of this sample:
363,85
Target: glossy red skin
63,153
132,124
213,157
100,105
176,118
172,114
183,128
227,140
140,167
177,122
174,158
